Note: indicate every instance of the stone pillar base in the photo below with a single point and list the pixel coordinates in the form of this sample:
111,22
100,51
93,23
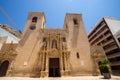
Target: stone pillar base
9,73
62,73
65,73
44,74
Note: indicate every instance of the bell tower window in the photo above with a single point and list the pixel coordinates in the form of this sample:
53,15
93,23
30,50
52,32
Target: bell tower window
75,21
34,19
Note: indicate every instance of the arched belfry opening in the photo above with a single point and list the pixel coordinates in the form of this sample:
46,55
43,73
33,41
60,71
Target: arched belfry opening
3,68
34,19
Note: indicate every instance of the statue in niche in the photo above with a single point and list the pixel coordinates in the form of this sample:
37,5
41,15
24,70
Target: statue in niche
54,44
44,43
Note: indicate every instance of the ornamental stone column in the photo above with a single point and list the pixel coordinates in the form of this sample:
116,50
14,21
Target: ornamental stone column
46,65
61,63
43,61
65,61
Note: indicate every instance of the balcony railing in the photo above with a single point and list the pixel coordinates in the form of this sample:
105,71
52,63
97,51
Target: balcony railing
108,42
115,63
105,30
116,72
111,48
106,36
96,31
114,55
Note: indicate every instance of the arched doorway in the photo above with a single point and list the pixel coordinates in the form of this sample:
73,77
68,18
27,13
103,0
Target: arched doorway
3,68
34,19
54,70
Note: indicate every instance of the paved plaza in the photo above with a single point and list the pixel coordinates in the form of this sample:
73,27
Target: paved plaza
62,78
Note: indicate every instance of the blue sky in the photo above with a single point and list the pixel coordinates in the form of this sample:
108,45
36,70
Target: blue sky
92,11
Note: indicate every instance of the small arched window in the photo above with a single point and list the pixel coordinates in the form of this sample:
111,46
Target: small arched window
66,26
54,44
78,55
34,19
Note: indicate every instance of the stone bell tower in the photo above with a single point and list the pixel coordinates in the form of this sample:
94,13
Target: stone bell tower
29,45
78,45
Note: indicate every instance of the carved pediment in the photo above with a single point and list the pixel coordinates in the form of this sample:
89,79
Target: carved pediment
54,53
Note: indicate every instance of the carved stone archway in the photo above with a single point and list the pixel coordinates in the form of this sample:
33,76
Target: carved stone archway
3,68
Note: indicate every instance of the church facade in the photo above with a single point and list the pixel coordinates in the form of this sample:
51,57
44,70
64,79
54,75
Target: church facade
44,52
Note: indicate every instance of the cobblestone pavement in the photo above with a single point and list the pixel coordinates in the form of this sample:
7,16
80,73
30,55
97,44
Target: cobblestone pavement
62,78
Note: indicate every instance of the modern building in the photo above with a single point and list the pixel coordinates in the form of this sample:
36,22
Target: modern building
117,37
106,34
44,52
8,35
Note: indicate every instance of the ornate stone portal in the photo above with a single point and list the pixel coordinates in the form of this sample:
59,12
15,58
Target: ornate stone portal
54,48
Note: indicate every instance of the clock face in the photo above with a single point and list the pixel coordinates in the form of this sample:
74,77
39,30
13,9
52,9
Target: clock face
32,27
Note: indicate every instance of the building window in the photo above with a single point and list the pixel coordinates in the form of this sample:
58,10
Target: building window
34,19
119,39
75,21
77,54
64,39
66,26
32,27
